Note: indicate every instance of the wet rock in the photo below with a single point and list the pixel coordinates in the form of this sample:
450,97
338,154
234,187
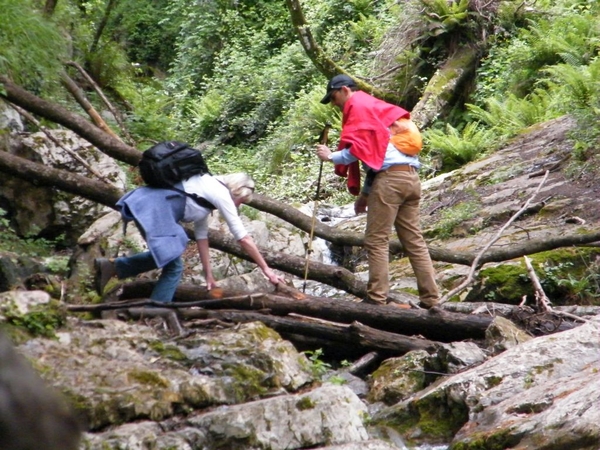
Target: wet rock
503,334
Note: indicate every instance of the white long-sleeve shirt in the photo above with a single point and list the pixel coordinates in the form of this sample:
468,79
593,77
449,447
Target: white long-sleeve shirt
215,192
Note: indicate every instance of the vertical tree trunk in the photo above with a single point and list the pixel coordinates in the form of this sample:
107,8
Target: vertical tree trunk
109,7
444,86
322,62
49,7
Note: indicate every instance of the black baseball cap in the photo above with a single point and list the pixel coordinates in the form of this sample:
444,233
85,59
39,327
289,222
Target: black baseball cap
337,82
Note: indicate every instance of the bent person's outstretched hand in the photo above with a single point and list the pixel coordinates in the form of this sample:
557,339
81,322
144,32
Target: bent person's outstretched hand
273,277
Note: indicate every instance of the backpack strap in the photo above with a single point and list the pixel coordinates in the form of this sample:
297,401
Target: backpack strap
201,201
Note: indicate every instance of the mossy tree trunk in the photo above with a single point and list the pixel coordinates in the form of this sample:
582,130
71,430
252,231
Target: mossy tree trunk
434,324
445,86
322,62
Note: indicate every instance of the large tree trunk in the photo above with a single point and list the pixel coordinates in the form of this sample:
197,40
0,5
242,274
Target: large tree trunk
342,341
358,338
432,324
325,65
66,181
100,29
322,62
49,7
348,238
79,95
435,324
444,85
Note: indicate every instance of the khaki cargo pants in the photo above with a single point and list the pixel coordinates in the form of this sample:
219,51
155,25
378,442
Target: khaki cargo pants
394,200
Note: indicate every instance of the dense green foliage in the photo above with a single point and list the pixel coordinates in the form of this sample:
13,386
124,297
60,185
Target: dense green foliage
26,40
232,77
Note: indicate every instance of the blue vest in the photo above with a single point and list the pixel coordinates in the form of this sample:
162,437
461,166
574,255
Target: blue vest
157,212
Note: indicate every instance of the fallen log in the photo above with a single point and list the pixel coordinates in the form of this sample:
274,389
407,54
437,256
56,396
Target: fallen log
363,364
341,340
434,324
246,284
356,335
536,322
168,315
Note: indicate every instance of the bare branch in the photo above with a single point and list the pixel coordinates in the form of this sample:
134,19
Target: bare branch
475,265
105,100
79,95
542,300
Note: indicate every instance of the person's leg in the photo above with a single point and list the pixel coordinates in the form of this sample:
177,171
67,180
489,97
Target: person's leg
407,224
382,207
130,266
165,287
122,267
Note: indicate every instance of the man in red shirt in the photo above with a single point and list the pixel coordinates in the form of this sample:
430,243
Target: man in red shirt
392,190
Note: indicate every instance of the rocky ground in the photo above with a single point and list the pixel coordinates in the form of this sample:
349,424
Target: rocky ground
500,183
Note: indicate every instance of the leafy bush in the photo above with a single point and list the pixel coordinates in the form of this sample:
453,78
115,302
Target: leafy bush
146,31
579,85
516,63
318,367
151,116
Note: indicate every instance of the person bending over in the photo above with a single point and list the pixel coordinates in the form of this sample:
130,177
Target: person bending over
158,212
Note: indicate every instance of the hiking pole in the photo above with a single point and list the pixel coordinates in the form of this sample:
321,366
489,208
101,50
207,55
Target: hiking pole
322,140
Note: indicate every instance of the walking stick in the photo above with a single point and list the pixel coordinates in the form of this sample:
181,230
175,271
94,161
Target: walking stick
322,140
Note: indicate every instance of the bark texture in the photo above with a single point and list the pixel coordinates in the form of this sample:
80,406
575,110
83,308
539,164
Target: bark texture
108,144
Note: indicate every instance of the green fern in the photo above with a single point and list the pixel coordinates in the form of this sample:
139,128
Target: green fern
581,82
458,147
510,116
445,16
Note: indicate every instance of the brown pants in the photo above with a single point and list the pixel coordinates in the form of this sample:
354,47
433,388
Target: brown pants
394,199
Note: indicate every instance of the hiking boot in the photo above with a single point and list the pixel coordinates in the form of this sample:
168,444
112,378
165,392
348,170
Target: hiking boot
428,305
104,271
368,301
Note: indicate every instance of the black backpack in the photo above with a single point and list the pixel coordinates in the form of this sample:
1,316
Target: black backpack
168,163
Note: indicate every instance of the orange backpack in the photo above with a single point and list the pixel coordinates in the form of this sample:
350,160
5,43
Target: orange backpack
406,137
